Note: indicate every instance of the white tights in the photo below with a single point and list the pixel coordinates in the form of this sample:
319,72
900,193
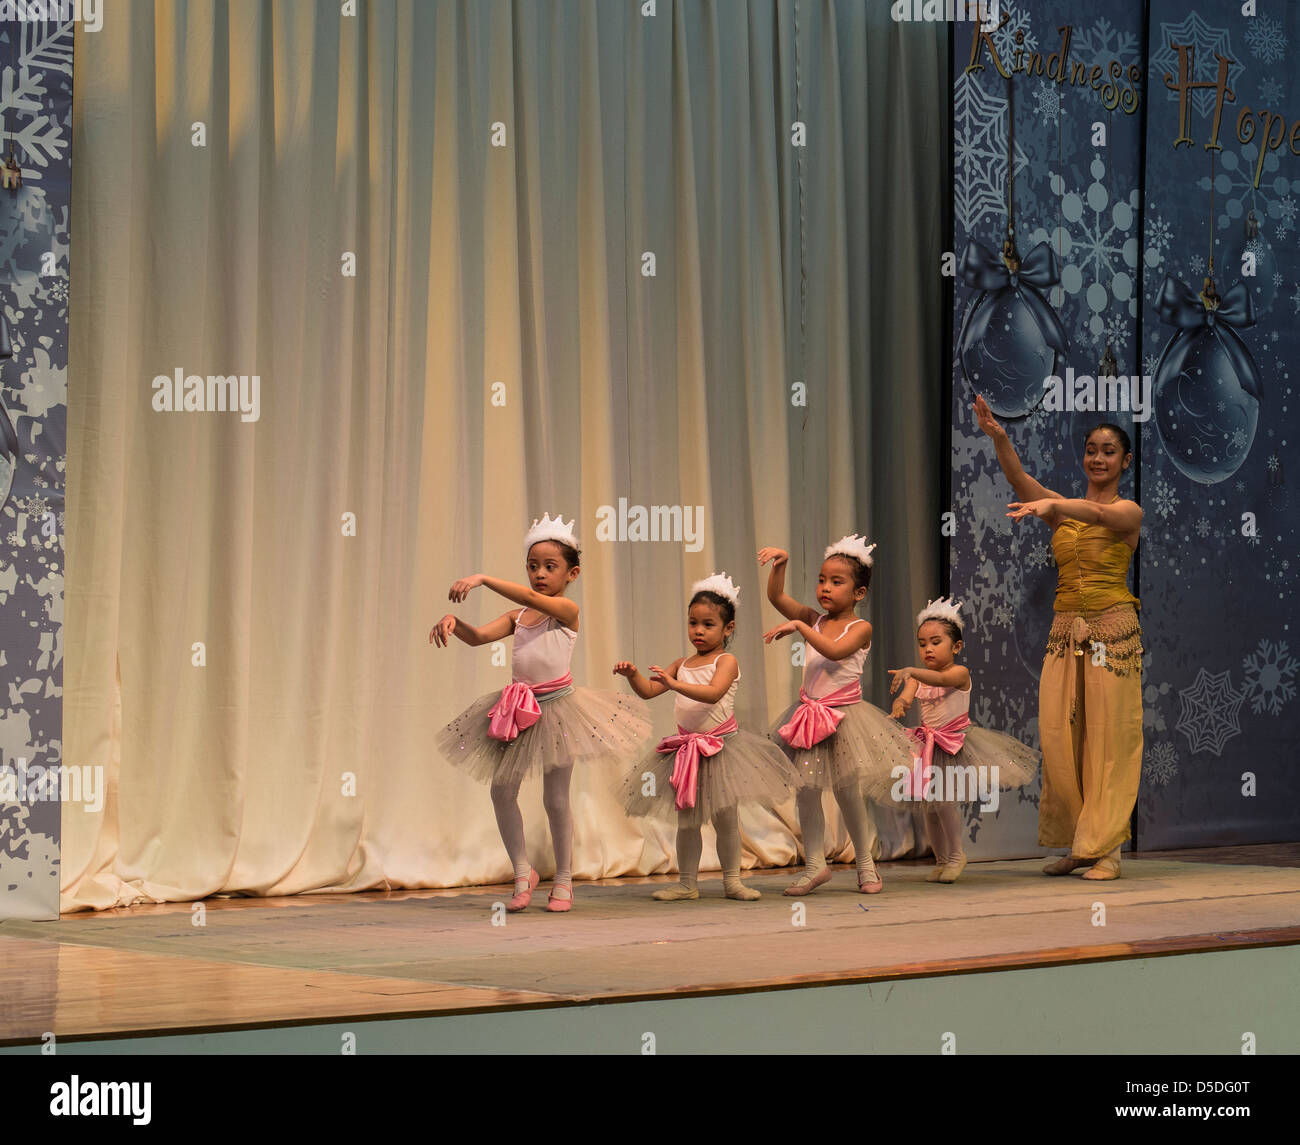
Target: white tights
812,825
510,822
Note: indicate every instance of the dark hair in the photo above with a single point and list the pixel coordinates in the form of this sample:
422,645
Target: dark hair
572,557
860,570
1124,443
722,603
949,626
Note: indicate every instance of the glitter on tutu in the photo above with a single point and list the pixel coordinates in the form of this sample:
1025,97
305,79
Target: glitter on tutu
749,770
864,750
584,724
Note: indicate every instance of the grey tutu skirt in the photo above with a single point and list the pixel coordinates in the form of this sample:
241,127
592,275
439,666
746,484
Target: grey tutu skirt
986,760
749,770
865,749
585,724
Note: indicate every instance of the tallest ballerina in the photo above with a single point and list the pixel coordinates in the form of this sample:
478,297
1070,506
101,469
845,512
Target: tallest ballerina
1090,688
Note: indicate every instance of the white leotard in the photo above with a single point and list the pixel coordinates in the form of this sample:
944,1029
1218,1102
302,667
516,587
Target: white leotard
941,705
822,676
696,715
542,650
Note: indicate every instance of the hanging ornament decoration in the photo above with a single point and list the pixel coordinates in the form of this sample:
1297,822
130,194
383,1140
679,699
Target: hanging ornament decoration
1109,367
11,174
1207,388
1251,255
1206,385
1010,337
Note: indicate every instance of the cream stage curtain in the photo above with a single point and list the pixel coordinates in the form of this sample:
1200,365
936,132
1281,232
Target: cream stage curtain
254,674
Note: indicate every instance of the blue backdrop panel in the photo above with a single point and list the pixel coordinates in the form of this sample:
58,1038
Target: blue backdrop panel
36,100
1219,547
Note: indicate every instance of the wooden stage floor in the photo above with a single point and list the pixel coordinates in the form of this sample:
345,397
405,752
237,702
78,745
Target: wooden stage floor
259,963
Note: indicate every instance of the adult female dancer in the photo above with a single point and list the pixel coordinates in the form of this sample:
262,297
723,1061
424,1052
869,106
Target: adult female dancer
1090,689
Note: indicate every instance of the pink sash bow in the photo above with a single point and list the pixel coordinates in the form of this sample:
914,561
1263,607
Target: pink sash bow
816,719
689,746
517,709
949,737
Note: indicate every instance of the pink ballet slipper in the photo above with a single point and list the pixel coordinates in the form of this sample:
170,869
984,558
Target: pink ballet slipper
523,898
872,888
822,876
558,905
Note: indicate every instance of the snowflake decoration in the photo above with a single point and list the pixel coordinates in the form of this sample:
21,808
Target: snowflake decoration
1005,40
1165,500
1273,463
1197,263
1234,184
1162,764
980,153
1098,246
1159,235
1047,102
1270,677
1202,528
1208,712
1277,282
1270,91
1149,364
1241,486
1037,557
1207,41
1265,39
1286,215
1104,41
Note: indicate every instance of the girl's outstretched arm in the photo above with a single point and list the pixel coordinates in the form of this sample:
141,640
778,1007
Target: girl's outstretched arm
561,607
646,689
901,705
955,677
838,648
723,677
451,625
787,606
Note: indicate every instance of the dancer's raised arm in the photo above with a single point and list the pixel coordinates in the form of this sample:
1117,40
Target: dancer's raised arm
1027,489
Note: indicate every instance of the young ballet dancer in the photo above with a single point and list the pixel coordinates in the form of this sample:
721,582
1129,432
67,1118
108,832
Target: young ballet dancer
541,723
711,766
953,756
834,738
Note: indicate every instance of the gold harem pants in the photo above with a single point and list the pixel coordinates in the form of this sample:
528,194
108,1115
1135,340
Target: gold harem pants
1090,727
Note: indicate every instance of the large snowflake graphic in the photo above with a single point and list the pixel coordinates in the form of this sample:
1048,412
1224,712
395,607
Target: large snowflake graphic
1005,40
1104,42
1270,677
1208,712
1207,41
1265,38
980,153
1234,188
1097,242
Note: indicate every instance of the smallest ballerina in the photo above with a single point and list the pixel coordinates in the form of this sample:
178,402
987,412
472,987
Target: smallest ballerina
953,759
711,767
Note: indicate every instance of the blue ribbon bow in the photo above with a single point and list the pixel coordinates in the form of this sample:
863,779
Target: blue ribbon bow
986,271
1178,305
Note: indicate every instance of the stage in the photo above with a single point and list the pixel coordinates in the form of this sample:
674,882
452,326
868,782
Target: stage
1006,958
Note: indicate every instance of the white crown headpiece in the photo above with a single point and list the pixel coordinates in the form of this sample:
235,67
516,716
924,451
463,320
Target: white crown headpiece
853,546
945,608
720,583
551,529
